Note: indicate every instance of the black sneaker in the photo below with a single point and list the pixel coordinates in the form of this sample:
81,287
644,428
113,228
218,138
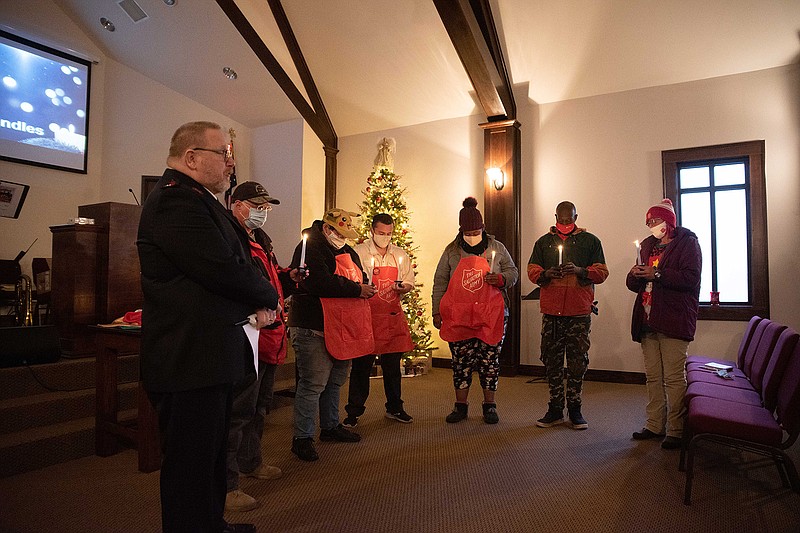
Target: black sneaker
350,422
576,419
304,449
671,443
400,416
339,434
552,418
646,434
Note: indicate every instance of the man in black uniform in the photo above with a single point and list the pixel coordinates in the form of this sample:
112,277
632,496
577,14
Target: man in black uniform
199,285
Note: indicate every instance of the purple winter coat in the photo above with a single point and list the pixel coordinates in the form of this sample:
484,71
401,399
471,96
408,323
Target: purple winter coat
676,295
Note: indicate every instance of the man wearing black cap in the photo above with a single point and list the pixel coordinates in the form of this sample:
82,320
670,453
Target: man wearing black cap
250,205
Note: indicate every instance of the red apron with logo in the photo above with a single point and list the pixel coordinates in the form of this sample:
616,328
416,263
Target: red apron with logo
389,324
470,307
348,321
272,337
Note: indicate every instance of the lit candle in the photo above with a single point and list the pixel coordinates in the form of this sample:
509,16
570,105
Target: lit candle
491,265
638,252
399,264
560,253
372,272
303,253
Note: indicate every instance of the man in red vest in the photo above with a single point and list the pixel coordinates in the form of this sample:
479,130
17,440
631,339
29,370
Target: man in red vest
389,270
250,205
329,323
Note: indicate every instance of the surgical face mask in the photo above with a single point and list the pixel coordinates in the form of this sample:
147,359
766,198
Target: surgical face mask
382,241
659,231
256,218
335,240
473,240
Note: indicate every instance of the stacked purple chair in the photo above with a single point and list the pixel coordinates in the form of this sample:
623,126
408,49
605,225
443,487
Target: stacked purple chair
766,424
754,363
761,387
696,360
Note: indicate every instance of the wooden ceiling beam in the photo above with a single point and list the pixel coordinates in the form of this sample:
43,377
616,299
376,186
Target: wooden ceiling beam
317,119
471,28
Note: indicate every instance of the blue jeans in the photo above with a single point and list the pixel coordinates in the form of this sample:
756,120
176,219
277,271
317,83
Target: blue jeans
319,379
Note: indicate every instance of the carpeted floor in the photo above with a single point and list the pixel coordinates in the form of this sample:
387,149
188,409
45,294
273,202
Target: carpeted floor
430,476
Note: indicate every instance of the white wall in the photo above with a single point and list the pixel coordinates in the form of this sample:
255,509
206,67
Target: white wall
313,207
604,154
278,165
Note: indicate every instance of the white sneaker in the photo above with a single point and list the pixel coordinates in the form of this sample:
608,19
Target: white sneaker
265,472
239,502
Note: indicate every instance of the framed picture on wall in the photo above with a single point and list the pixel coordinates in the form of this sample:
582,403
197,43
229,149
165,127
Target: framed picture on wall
148,184
12,196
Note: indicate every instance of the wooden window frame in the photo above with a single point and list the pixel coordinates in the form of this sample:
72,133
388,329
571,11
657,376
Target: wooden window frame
757,224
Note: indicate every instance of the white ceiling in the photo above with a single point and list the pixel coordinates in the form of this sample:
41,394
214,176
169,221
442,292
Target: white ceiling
380,64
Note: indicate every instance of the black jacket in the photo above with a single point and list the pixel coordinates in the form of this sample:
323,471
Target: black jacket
305,310
198,281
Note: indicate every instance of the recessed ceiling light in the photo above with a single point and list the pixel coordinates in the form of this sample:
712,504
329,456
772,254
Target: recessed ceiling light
107,24
169,2
230,73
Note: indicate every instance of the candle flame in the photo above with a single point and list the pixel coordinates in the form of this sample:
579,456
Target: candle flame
636,243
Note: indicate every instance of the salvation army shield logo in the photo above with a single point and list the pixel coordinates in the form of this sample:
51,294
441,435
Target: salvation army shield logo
472,279
385,291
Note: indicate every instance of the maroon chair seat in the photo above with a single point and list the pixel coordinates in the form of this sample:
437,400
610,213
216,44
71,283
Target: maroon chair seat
735,420
755,361
721,392
700,376
778,359
743,345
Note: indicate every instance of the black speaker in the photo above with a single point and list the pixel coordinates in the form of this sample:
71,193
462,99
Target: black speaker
29,345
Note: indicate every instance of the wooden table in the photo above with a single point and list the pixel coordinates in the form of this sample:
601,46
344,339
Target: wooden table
112,342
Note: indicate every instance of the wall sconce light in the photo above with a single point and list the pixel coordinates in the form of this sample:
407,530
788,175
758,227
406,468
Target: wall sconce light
496,177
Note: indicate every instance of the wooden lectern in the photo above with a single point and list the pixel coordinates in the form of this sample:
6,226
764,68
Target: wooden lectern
95,276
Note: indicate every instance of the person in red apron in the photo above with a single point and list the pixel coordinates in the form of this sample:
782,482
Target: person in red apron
470,308
389,270
250,204
330,323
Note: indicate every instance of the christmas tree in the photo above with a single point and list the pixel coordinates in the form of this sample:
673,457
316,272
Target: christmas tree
385,195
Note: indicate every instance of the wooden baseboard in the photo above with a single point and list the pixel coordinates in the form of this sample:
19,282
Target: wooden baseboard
607,376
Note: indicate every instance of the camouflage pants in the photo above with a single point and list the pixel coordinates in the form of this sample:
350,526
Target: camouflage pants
474,354
565,335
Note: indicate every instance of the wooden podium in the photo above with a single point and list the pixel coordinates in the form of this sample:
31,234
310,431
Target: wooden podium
95,274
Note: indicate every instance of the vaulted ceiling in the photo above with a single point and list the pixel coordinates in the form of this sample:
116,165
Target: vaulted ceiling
380,64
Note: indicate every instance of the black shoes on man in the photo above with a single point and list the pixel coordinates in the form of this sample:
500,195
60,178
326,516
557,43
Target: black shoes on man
669,443
303,447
